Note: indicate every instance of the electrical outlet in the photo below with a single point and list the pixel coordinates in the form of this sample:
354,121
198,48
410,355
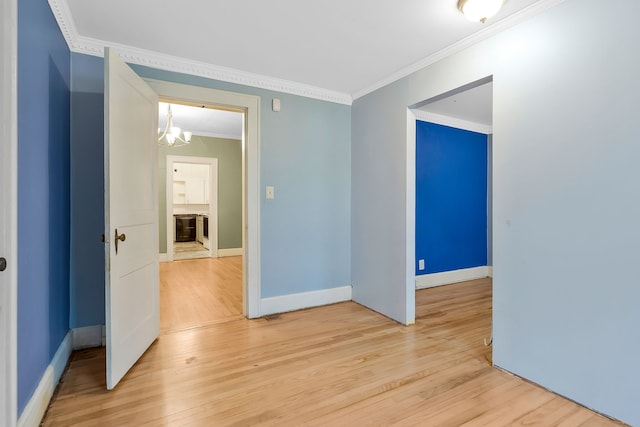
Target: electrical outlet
270,192
421,264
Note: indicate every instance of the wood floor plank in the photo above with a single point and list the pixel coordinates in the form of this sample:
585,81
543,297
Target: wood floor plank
199,291
330,366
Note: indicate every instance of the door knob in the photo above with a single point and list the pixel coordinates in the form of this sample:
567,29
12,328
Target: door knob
3,264
119,238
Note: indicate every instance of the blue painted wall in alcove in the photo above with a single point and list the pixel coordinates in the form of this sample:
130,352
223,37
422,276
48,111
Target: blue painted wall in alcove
451,198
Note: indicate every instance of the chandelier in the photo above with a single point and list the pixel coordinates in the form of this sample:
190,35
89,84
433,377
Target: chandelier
171,135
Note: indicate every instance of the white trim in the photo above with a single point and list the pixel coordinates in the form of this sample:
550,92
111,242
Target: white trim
230,252
212,162
490,271
132,55
453,122
60,359
219,135
448,277
503,24
410,220
87,337
9,212
165,257
148,58
292,302
250,104
37,405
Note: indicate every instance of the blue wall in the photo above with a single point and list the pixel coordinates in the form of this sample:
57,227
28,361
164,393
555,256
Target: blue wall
304,153
451,198
43,193
87,191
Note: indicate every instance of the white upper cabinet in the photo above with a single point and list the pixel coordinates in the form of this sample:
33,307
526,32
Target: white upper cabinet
190,184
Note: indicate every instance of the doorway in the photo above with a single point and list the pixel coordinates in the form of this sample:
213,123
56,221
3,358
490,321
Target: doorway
249,106
453,137
191,200
201,276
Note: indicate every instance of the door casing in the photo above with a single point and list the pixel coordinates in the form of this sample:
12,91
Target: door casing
8,213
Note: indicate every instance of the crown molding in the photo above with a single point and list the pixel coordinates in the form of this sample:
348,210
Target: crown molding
61,12
132,55
453,122
95,47
503,24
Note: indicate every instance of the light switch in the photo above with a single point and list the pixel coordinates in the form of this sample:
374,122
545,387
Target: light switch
270,192
275,104
421,264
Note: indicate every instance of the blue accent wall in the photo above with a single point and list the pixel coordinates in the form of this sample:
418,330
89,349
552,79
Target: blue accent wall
305,153
87,191
43,193
451,198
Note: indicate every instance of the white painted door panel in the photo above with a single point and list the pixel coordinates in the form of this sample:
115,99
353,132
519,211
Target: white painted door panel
131,206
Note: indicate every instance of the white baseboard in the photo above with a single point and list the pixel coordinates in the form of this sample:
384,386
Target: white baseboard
37,405
490,271
164,257
292,302
87,337
455,276
230,252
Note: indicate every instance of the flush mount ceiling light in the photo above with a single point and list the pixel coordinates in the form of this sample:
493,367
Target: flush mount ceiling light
170,136
479,10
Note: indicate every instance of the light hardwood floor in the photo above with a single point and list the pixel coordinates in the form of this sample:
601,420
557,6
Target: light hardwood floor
199,292
338,365
189,250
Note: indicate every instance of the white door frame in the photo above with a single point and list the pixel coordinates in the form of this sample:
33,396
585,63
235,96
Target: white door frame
9,213
250,106
414,114
212,162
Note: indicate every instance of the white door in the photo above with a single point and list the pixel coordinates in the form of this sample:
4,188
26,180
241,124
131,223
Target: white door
8,213
131,217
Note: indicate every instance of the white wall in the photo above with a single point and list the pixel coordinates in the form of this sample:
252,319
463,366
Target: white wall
566,206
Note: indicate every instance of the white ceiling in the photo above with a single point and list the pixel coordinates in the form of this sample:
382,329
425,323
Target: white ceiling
473,105
334,49
203,121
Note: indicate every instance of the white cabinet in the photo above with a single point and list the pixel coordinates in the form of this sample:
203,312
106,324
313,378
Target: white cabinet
200,228
190,184
179,192
194,192
206,189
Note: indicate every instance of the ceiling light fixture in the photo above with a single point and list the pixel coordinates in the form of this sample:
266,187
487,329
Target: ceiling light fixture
479,10
170,136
